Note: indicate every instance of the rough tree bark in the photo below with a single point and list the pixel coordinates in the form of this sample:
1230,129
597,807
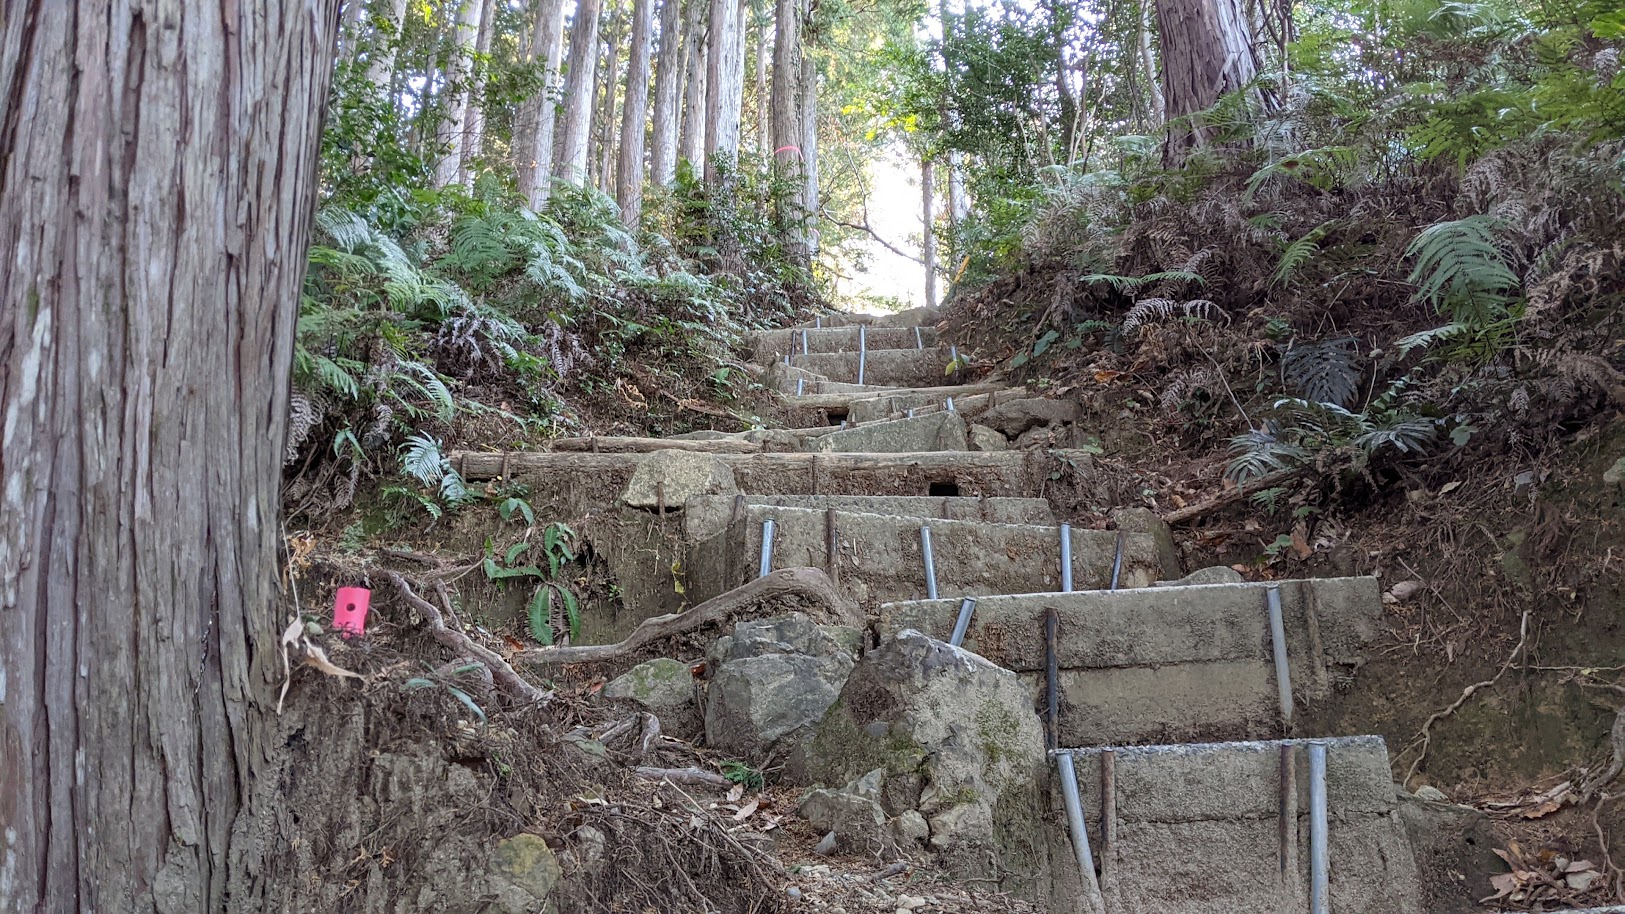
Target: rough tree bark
787,121
634,115
1148,66
764,123
157,171
603,121
809,128
721,105
1207,50
928,225
572,162
384,45
541,110
474,123
668,89
691,146
454,119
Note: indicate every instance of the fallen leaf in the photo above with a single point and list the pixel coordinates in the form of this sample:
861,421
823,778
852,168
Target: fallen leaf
736,793
316,657
1504,884
1543,810
748,810
1101,377
1300,543
1449,487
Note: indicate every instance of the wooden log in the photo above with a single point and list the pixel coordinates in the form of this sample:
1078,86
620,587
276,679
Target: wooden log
844,400
608,444
475,465
1231,496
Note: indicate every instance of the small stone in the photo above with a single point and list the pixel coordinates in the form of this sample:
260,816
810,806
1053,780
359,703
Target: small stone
1583,880
794,893
826,846
1431,794
1615,475
910,902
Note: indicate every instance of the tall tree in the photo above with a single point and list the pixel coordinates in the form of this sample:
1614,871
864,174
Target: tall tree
764,124
695,75
459,79
809,126
721,97
1207,50
668,89
474,123
541,110
1148,66
603,121
159,176
381,69
928,225
578,98
787,119
634,116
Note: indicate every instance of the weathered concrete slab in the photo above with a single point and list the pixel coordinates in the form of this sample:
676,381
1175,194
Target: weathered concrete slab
883,367
970,400
940,431
879,557
1210,817
911,317
775,344
1168,663
839,399
704,517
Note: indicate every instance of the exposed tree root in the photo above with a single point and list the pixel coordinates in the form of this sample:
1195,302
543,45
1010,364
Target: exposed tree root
807,584
1231,496
1424,738
691,776
501,672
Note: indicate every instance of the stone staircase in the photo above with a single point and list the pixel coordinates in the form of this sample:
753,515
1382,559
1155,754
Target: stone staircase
1170,700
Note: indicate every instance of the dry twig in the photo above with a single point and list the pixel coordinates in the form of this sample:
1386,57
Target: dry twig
1426,736
504,675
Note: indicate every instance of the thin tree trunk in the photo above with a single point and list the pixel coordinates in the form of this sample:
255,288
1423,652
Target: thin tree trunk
159,176
474,132
668,89
958,204
536,166
459,76
572,161
634,117
1207,50
1148,65
809,128
928,219
764,125
603,124
695,69
382,68
350,27
787,121
721,101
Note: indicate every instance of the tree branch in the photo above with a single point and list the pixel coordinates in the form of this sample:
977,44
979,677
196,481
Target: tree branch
504,674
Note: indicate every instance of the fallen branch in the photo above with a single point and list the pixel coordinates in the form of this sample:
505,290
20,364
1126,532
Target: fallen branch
805,583
695,776
1231,496
1426,736
501,672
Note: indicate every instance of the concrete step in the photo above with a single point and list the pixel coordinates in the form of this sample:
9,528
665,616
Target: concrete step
937,431
771,345
708,515
1168,663
911,317
1223,828
571,484
841,403
879,558
881,367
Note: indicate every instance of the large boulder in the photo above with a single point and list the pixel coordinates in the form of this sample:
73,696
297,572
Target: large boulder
958,743
664,688
983,438
669,478
772,681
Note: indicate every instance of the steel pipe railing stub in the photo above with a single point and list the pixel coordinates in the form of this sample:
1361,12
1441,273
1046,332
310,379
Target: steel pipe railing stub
930,563
919,340
950,404
962,624
801,386
1066,558
1283,673
863,350
766,565
1075,824
909,414
1319,855
953,358
1052,679
804,346
818,322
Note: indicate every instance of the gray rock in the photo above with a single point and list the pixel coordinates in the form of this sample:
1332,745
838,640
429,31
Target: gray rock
1145,520
959,744
1016,416
663,687
983,438
755,705
677,476
792,634
1216,574
1431,794
522,872
858,823
939,431
1615,475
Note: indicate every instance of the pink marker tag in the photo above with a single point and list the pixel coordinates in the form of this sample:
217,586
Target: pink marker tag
350,610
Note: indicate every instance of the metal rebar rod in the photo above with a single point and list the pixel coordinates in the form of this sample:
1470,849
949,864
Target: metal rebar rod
1287,813
962,624
1074,820
1320,901
1283,673
1117,559
1052,679
766,565
818,322
863,349
1066,558
930,563
909,414
1108,809
832,546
